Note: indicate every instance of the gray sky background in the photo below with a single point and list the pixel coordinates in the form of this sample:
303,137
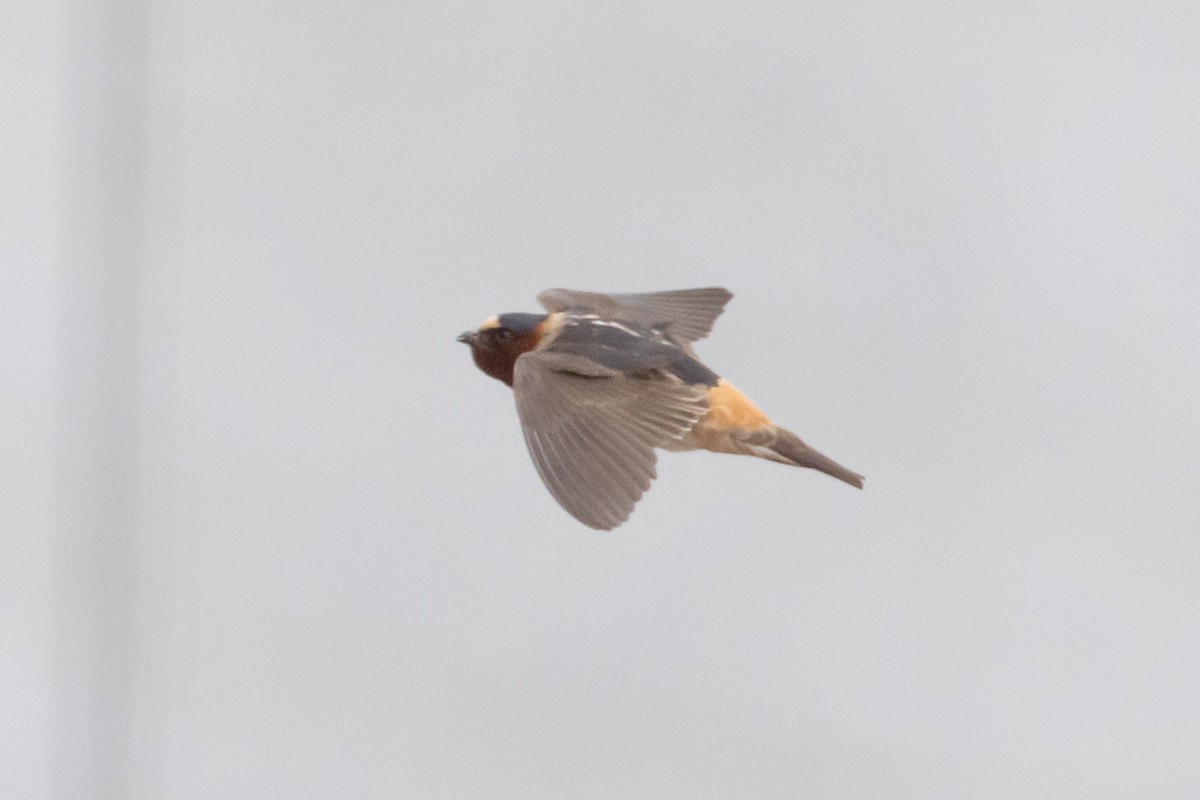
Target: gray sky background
268,533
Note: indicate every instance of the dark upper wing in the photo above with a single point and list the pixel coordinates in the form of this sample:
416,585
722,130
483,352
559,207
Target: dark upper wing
592,430
688,314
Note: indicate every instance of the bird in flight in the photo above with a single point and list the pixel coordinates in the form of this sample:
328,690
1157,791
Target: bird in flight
601,380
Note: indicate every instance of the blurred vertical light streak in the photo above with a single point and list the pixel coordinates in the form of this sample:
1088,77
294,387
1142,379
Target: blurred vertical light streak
31,46
99,286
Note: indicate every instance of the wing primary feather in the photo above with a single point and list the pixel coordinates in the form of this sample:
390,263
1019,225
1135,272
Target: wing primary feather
614,475
542,460
588,480
636,483
567,468
622,481
552,473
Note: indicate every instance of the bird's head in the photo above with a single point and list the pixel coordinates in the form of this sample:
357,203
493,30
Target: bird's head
501,339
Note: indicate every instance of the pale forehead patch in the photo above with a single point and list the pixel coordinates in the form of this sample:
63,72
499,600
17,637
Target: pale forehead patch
491,322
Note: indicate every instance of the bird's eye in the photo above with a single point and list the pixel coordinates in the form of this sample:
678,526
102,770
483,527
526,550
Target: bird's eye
504,335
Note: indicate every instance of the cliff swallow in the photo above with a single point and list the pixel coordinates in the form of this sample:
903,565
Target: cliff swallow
601,380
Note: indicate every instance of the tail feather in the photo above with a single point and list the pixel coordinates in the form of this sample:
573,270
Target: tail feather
794,450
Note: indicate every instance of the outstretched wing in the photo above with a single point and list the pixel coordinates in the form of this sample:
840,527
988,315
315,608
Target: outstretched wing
591,431
687,314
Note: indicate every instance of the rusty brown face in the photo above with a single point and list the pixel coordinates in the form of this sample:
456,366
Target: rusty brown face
500,340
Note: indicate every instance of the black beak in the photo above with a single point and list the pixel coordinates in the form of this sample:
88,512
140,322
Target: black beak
466,338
